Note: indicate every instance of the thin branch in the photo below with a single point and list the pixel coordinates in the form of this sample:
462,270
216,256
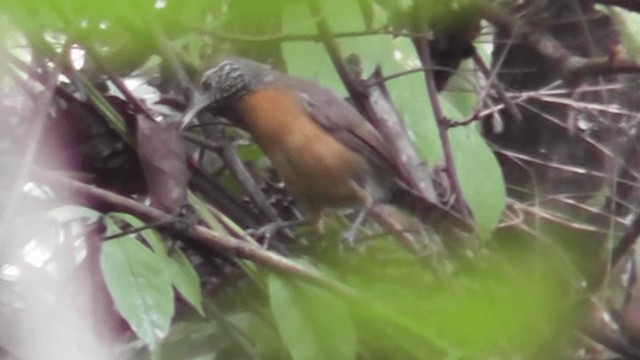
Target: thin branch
239,171
557,217
232,245
473,118
332,48
408,72
627,242
579,170
301,37
443,126
167,49
583,205
214,146
288,37
497,87
610,109
560,123
207,236
397,230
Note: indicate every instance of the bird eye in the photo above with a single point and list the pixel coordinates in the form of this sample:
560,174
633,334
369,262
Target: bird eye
206,85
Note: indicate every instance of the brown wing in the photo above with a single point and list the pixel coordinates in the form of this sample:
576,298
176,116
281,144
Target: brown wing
342,121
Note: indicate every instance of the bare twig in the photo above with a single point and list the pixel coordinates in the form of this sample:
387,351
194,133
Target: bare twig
579,170
557,218
286,37
443,126
627,241
240,172
333,50
497,87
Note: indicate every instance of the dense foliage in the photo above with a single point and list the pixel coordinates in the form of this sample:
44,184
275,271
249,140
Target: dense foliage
127,236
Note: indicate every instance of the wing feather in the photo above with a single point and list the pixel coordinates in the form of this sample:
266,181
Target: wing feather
342,121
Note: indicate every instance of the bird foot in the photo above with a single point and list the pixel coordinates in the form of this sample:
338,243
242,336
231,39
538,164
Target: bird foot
349,241
269,230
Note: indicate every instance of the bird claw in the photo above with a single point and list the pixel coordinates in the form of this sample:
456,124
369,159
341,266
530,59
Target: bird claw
269,230
349,241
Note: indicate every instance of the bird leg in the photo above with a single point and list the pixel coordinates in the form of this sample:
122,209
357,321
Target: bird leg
349,237
269,230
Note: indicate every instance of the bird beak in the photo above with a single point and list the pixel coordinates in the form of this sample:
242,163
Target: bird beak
199,103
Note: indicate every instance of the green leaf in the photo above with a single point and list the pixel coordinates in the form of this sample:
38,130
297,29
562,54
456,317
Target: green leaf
206,213
410,96
312,323
140,285
183,275
151,236
478,171
309,59
625,23
480,177
186,281
266,341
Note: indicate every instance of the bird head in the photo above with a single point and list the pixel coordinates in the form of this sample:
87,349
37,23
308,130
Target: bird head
226,83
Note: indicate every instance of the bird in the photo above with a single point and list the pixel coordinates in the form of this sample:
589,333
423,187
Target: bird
324,150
